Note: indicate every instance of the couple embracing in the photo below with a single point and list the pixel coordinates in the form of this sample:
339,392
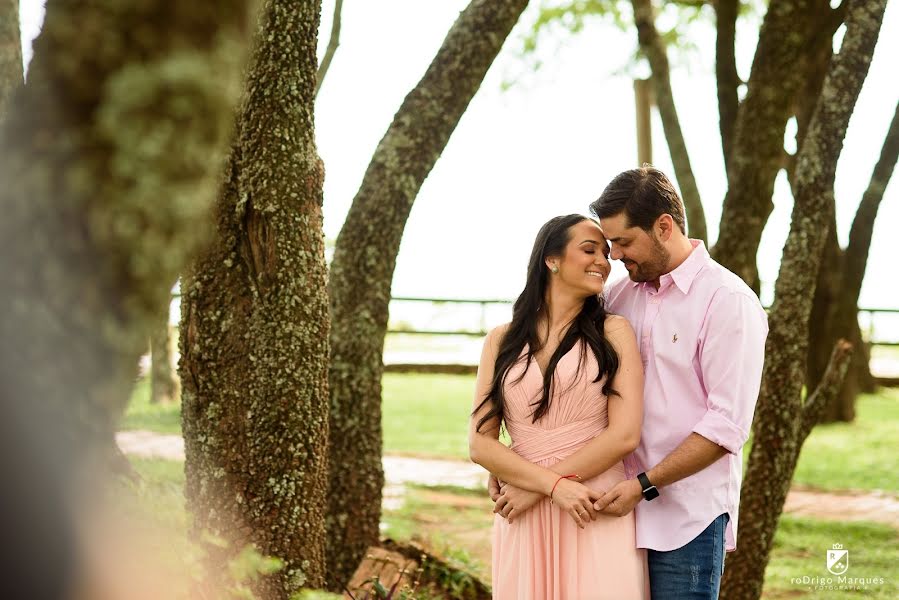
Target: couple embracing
627,406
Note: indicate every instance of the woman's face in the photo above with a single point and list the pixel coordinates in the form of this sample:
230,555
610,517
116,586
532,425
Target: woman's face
584,266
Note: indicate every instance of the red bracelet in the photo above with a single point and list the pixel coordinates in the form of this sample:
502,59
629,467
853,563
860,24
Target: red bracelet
557,483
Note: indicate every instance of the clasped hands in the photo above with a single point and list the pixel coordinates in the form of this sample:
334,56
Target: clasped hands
582,503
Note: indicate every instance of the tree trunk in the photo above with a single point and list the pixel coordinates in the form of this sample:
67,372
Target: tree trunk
109,161
757,152
726,75
652,46
363,265
164,385
254,327
782,421
10,52
838,309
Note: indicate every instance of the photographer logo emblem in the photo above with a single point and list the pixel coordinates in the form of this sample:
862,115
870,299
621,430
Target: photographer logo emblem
837,560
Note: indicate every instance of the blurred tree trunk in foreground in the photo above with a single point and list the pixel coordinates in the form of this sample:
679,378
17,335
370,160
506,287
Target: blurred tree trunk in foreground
363,265
783,420
108,161
254,327
10,52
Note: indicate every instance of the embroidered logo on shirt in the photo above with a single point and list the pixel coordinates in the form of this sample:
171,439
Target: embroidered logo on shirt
674,339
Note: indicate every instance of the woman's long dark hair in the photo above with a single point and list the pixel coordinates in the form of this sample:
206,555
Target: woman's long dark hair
587,328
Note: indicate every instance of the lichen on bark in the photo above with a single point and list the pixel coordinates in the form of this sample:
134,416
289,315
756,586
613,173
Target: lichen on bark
782,420
254,328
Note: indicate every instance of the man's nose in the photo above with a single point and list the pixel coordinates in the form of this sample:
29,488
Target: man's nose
615,254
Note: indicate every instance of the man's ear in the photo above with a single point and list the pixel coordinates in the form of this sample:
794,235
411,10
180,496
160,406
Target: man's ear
664,226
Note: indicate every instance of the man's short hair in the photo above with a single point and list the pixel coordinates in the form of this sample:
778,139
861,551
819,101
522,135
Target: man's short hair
643,195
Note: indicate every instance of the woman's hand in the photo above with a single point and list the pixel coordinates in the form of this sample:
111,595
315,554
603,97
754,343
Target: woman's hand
513,501
577,500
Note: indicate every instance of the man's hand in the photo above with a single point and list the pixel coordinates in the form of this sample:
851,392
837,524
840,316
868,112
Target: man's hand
493,487
513,501
621,499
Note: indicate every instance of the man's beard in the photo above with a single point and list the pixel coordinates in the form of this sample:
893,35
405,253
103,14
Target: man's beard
654,267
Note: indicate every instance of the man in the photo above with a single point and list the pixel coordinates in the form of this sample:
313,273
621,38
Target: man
701,332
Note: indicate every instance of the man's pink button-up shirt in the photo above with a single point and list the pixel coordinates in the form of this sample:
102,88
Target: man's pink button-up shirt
702,341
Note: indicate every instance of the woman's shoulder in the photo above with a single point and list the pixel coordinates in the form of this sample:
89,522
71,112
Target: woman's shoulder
496,334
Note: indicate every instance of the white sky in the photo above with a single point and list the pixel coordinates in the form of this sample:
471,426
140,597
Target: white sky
550,144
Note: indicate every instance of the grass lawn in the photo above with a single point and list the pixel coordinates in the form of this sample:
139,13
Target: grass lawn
860,455
427,415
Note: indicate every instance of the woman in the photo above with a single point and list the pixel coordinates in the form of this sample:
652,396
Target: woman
566,380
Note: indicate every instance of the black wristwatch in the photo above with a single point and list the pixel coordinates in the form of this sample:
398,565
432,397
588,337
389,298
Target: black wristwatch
649,491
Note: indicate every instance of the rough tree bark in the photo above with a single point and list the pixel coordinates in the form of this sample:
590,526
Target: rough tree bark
254,326
10,52
757,152
363,265
654,49
782,420
108,162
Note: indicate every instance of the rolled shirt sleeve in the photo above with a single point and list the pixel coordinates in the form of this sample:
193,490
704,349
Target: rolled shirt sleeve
731,355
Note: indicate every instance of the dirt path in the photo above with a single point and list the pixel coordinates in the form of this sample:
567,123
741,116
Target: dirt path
880,507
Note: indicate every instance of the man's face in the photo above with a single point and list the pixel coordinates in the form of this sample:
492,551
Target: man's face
643,255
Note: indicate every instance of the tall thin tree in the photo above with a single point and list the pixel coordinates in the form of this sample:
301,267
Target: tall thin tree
363,265
783,420
254,326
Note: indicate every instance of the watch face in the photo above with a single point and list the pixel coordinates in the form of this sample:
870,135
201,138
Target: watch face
650,493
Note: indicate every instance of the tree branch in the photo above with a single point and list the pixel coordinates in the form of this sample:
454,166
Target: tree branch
827,389
758,136
856,255
726,72
332,46
652,46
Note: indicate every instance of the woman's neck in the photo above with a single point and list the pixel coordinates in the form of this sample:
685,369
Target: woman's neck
561,309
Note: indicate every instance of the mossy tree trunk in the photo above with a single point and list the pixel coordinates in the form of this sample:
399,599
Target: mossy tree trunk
363,265
10,52
782,420
108,163
254,327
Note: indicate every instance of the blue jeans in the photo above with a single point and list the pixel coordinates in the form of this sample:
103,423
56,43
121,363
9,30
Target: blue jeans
692,571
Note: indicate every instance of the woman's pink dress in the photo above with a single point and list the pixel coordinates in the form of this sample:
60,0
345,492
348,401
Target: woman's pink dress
543,554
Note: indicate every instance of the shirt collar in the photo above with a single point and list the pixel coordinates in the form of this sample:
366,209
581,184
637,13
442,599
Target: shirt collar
686,272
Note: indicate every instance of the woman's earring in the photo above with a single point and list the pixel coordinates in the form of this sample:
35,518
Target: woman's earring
555,269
